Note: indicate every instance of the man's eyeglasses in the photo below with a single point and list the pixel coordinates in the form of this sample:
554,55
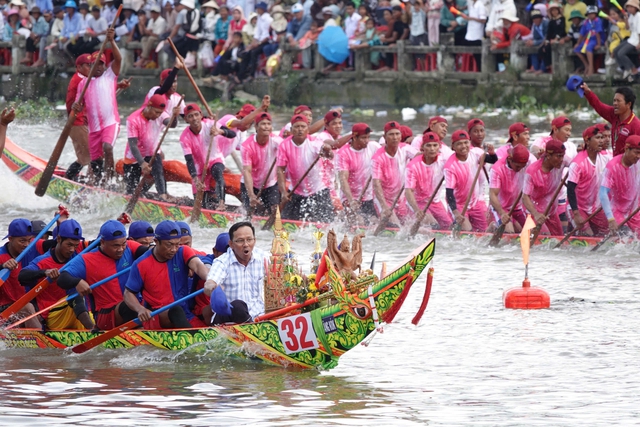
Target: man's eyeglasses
249,241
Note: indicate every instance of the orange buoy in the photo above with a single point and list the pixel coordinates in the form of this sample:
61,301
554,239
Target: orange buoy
526,297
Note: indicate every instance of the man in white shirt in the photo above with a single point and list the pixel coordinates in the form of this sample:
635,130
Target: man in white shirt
261,37
476,18
97,24
498,9
156,26
351,20
629,48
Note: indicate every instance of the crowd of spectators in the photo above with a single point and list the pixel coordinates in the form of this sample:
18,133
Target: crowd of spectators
234,38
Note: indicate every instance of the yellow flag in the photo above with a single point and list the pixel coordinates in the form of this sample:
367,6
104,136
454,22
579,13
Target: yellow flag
525,238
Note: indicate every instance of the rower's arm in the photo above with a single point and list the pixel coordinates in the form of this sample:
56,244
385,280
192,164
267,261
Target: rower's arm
343,176
248,179
495,202
411,199
571,195
377,190
451,199
135,151
528,203
117,56
605,111
316,127
605,202
198,267
66,281
282,180
132,302
191,166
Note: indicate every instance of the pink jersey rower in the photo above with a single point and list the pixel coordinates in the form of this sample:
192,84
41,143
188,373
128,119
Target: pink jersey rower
621,185
506,181
146,131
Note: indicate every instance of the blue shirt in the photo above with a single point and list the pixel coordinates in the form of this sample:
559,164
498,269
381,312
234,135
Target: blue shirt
41,27
297,29
71,26
45,5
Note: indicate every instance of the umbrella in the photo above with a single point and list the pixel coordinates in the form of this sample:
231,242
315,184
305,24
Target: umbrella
333,44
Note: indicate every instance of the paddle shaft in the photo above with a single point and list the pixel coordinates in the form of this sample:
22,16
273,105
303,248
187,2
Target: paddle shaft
138,191
193,82
41,286
500,231
383,219
456,229
47,173
575,230
264,183
538,228
88,345
69,298
608,236
416,225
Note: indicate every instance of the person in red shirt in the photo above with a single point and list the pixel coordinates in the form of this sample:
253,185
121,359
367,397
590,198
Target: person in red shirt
512,31
623,121
79,133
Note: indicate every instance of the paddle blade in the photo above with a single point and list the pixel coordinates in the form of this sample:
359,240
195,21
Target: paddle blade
104,337
24,300
525,238
497,236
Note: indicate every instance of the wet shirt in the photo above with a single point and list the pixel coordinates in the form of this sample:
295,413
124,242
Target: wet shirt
583,173
358,164
260,158
508,181
390,170
100,103
624,183
459,175
540,186
146,131
11,291
297,159
53,293
423,178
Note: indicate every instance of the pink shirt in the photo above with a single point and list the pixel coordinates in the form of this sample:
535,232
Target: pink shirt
459,176
328,165
423,179
570,154
147,131
297,159
624,184
100,102
540,186
172,101
358,164
508,181
198,144
391,170
503,152
584,173
259,158
444,149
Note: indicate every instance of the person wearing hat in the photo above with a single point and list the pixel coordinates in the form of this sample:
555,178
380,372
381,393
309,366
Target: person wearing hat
37,226
141,232
476,130
259,151
161,275
628,48
620,187
186,238
459,172
168,88
439,126
583,183
6,117
195,140
72,27
573,34
561,130
12,26
39,29
114,254
571,6
299,25
261,38
73,315
332,135
183,33
155,28
424,174
388,167
506,181
591,38
101,108
512,30
518,135
494,20
354,172
240,271
311,200
79,133
539,29
540,183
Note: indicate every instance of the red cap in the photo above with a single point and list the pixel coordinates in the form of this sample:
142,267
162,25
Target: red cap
157,101
519,154
190,108
474,122
603,126
406,132
459,135
85,58
516,128
164,74
632,141
391,126
558,122
299,118
555,146
263,116
360,129
300,109
430,137
436,119
331,116
245,111
591,131
94,57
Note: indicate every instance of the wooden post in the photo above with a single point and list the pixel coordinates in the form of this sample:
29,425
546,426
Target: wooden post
517,59
18,50
488,59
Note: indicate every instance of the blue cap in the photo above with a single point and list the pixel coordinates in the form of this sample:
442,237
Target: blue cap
71,3
70,229
262,5
37,226
573,84
19,227
185,230
222,242
140,229
164,230
219,302
112,230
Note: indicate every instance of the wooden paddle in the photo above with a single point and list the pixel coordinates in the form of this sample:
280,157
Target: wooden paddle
456,228
608,236
68,298
351,215
383,219
536,231
272,218
106,336
41,286
47,173
416,225
138,191
264,183
5,272
197,200
575,230
500,231
119,91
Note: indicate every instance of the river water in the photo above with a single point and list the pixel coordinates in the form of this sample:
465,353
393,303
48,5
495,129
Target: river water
469,362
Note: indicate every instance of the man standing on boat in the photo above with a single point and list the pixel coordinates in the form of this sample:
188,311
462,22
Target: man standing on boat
240,273
540,183
114,254
623,121
144,127
354,171
424,174
583,183
311,200
259,151
101,108
620,186
162,276
79,133
388,166
506,181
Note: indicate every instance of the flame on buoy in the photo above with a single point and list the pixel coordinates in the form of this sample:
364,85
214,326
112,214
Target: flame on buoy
526,297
